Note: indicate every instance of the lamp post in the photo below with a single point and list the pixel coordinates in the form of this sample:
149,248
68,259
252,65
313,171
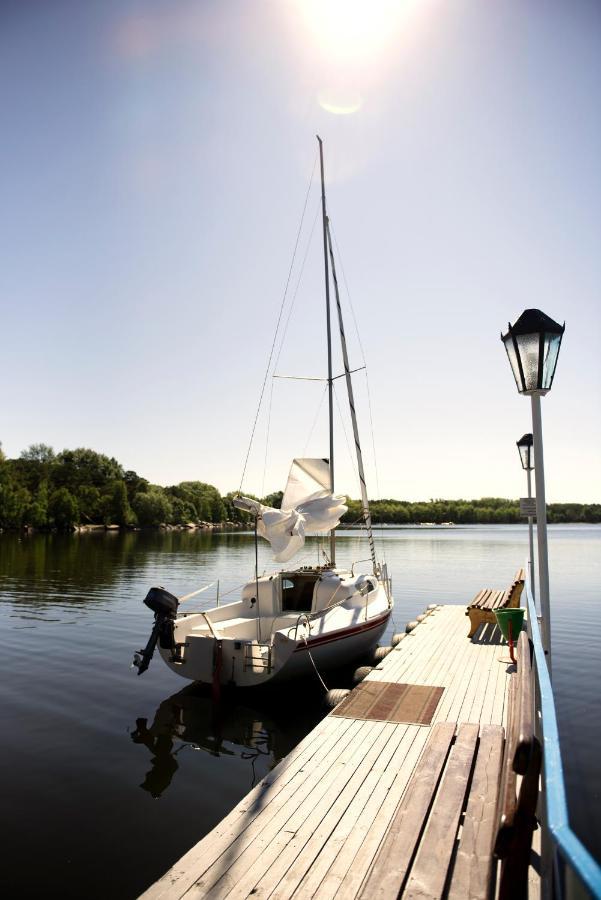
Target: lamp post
532,346
526,451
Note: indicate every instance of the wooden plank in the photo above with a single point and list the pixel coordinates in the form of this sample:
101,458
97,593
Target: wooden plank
420,649
505,670
429,871
474,713
525,724
507,793
478,676
429,645
473,863
491,686
479,596
308,856
421,645
502,600
363,808
450,705
436,669
350,834
392,863
281,819
372,832
309,831
286,779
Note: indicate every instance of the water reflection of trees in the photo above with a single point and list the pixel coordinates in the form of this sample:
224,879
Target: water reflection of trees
258,728
91,560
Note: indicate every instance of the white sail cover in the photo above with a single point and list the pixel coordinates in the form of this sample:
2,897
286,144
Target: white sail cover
307,505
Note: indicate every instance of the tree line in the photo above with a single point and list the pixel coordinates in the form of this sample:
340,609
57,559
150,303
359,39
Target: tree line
46,490
486,511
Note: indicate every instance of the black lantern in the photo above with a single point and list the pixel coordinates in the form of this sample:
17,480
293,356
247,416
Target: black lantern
532,346
526,448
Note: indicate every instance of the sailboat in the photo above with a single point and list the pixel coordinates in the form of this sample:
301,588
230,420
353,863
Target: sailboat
296,620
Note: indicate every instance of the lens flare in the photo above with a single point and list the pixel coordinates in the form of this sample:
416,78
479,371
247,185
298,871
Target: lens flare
339,105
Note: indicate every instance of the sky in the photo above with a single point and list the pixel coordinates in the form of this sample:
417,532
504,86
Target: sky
155,161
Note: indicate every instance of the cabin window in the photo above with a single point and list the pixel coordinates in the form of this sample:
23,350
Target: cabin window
367,586
297,593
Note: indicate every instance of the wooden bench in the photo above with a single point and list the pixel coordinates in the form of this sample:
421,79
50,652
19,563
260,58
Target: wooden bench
461,809
516,809
482,608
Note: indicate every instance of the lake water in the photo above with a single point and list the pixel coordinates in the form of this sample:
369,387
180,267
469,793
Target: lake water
107,778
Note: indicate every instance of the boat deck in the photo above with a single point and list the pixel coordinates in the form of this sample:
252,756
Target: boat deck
313,826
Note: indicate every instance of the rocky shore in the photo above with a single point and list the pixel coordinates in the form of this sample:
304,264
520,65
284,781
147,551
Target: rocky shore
85,529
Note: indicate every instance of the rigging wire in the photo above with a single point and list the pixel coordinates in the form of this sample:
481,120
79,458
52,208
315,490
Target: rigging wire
369,403
267,438
320,404
348,446
298,282
279,353
298,234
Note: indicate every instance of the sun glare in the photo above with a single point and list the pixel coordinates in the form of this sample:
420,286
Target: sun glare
348,45
352,30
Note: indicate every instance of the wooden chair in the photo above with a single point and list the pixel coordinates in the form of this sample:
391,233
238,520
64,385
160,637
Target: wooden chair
482,608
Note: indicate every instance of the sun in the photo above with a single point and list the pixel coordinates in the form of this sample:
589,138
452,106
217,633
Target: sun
352,30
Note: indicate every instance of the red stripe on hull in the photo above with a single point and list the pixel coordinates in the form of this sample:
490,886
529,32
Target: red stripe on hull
343,633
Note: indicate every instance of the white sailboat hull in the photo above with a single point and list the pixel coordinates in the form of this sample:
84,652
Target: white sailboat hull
233,645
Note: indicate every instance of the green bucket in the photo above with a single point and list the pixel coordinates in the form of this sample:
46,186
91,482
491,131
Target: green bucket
515,616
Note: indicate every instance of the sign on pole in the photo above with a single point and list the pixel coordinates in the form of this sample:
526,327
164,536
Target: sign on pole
528,506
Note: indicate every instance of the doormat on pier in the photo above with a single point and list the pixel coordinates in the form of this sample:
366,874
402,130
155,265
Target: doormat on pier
384,701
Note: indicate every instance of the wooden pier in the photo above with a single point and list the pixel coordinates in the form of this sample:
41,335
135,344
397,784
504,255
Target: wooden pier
313,827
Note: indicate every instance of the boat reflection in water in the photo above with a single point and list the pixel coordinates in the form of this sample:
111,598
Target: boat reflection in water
262,726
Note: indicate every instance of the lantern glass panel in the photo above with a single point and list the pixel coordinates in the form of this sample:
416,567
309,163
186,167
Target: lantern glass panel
528,348
550,353
525,451
513,361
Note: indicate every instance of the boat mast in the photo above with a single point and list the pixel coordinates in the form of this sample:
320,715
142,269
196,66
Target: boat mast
351,400
329,335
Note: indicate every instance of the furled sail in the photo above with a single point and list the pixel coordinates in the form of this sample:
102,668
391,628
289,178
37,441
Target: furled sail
307,505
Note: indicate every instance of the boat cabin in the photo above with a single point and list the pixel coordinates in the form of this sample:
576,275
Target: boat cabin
304,591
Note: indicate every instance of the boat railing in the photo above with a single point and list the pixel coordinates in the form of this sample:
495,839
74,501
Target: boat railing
312,616
307,620
568,869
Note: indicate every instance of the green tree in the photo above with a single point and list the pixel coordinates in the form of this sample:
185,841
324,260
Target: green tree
63,511
182,512
41,453
37,512
83,466
153,507
117,509
134,483
204,498
90,502
274,500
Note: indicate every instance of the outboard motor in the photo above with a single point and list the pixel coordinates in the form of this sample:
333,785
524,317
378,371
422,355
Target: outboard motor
164,606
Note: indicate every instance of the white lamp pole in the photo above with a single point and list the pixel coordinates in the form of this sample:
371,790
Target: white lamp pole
532,346
526,451
531,535
541,525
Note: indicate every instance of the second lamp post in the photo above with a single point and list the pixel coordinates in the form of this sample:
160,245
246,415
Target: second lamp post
526,450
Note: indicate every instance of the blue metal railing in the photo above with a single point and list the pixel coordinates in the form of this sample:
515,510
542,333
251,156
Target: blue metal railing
564,843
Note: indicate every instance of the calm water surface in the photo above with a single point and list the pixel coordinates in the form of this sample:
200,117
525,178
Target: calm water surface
108,778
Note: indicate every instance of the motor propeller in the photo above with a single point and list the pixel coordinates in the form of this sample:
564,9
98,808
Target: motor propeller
164,606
